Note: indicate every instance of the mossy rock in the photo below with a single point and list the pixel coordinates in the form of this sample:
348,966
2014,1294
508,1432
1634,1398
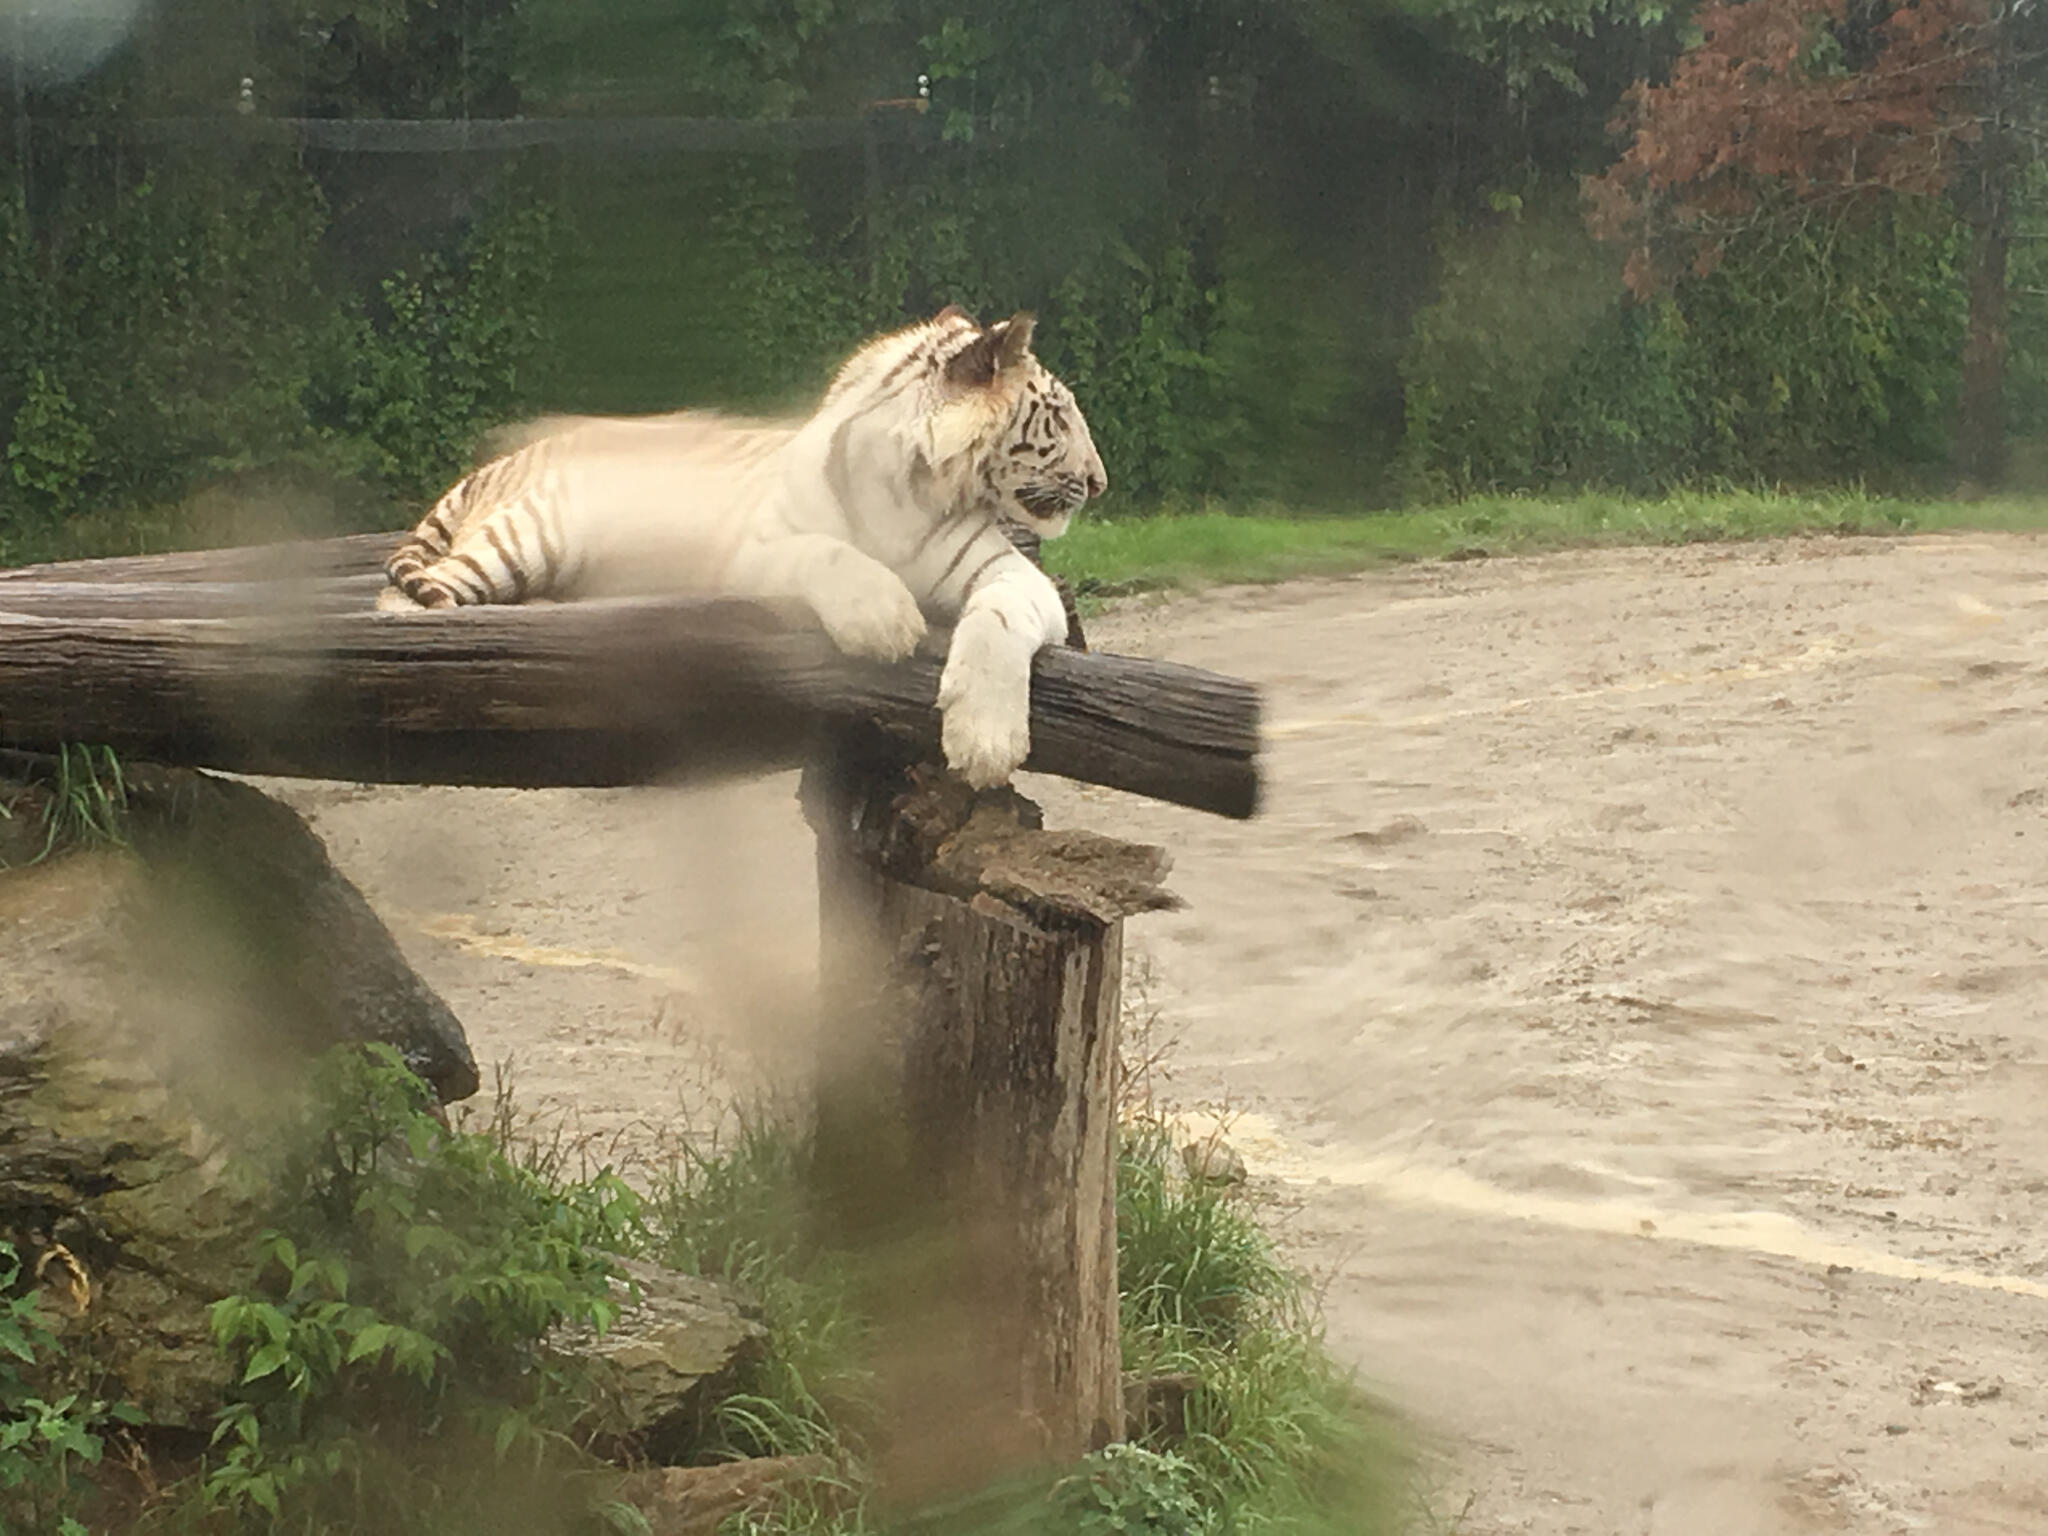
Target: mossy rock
159,1003
657,1372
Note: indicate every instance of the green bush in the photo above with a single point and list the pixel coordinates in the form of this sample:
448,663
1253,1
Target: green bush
1126,1490
1818,349
1516,305
176,333
2027,333
160,336
400,1309
401,389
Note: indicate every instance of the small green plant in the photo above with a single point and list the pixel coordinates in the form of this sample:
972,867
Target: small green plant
403,1301
44,1443
1127,1490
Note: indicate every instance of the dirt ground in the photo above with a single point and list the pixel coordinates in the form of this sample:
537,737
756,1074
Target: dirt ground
1631,999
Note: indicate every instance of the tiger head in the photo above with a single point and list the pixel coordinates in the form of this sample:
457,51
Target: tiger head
984,418
1029,444
967,415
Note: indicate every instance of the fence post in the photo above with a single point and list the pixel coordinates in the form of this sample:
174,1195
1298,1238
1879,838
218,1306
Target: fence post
970,970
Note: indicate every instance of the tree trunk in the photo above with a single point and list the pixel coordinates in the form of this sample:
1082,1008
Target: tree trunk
971,964
1988,186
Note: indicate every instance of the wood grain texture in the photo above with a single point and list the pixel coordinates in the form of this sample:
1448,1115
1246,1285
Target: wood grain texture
269,661
972,1009
356,554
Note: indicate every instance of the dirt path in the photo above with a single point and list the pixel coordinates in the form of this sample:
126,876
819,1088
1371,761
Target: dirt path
1633,994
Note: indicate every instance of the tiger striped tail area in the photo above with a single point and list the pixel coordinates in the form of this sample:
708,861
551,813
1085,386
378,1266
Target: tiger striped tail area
526,525
510,507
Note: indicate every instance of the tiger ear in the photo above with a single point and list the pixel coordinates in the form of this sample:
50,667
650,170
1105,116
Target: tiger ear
974,365
1015,345
1004,345
955,312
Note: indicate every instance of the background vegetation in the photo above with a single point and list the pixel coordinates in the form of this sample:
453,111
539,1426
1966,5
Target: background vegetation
1324,255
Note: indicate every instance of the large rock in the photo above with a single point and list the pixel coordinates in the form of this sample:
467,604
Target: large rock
156,1005
661,1367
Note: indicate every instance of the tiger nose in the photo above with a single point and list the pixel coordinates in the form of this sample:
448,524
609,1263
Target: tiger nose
1098,480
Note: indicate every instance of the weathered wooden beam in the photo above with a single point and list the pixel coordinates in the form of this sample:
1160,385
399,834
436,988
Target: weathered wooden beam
606,692
189,599
355,554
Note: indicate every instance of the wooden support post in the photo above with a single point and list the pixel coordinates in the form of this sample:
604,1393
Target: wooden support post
971,972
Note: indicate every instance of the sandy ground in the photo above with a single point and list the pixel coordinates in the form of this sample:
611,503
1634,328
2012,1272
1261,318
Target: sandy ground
1631,1000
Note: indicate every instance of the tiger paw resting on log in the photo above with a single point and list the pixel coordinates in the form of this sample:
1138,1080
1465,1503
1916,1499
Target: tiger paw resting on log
888,501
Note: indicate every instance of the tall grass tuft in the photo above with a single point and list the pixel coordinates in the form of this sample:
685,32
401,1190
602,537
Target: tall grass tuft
84,796
1276,1435
1191,1258
742,1212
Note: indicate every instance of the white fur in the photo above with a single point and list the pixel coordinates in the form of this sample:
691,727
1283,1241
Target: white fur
838,511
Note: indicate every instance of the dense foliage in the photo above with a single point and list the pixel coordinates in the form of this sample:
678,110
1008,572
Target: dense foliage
1296,251
1792,359
1793,109
392,1374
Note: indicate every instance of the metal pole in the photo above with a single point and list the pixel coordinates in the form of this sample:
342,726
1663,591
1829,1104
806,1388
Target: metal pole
22,147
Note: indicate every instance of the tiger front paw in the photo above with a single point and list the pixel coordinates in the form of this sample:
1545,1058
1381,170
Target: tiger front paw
874,616
985,716
394,600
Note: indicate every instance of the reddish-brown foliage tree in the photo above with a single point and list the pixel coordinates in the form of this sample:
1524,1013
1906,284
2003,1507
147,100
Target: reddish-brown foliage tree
1816,102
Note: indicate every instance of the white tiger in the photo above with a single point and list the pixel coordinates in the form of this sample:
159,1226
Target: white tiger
892,494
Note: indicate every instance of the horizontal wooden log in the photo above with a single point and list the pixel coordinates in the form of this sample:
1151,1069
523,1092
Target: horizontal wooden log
355,554
194,599
592,693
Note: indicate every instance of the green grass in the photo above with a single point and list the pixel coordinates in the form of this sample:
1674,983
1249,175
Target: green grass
84,798
467,1248
744,1213
1107,557
1276,1439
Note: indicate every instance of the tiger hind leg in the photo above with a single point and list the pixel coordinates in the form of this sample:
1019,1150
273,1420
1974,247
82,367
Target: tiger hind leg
459,579
392,599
